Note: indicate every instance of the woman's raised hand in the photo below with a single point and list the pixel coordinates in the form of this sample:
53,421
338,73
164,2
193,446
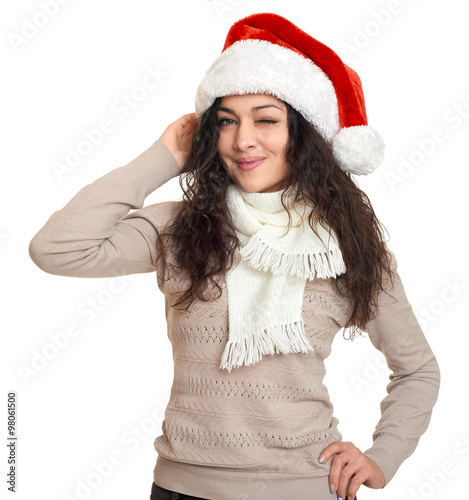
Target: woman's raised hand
350,464
178,137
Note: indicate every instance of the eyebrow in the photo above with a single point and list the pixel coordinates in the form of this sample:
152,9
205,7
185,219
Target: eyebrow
255,108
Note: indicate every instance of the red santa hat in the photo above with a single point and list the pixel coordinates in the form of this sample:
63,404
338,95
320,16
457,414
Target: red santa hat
266,53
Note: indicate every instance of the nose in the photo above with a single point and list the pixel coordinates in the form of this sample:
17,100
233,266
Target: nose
245,137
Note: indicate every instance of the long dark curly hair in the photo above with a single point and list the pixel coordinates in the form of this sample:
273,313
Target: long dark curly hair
202,241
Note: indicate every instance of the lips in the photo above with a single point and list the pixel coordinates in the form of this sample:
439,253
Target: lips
250,163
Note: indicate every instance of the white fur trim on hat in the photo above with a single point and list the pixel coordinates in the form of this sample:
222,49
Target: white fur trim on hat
257,66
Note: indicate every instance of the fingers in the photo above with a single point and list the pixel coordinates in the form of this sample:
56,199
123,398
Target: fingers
185,128
178,137
191,123
356,481
332,449
350,480
350,468
189,116
189,119
338,449
343,467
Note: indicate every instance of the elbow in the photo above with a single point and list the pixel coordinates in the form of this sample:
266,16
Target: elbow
422,382
39,255
431,376
436,376
36,252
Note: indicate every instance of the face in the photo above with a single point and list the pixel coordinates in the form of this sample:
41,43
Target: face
252,140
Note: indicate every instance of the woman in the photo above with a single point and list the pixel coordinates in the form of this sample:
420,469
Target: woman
272,251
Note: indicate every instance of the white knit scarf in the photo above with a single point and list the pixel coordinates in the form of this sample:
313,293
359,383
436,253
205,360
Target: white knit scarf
265,290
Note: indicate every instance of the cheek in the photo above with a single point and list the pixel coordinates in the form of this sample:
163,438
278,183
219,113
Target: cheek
222,145
276,140
222,153
285,141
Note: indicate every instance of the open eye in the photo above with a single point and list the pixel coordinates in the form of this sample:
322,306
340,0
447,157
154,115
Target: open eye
225,121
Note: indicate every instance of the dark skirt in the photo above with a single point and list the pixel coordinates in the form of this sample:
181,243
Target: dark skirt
159,493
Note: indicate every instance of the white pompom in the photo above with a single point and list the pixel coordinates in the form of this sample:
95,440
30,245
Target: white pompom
358,150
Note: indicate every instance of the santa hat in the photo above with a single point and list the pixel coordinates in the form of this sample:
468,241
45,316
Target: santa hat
266,53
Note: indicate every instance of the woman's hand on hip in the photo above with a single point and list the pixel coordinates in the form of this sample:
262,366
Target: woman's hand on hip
350,464
178,137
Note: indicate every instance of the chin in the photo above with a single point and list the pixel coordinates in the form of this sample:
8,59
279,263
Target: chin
252,187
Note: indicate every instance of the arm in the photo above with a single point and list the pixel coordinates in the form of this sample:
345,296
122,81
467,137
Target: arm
92,236
405,411
415,379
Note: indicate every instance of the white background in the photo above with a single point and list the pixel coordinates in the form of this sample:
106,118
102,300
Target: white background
112,380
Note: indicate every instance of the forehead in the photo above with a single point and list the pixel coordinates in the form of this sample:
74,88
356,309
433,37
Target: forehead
251,100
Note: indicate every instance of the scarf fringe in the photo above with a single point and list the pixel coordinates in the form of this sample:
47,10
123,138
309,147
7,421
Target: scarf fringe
275,339
265,258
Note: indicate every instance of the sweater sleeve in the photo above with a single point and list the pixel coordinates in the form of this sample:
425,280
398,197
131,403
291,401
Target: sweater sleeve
415,379
92,237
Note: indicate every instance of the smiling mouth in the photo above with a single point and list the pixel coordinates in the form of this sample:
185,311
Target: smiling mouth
250,163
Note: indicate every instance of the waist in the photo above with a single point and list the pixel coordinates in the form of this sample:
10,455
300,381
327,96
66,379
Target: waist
222,483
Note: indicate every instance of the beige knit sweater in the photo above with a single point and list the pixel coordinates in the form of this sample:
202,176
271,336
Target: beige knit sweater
259,428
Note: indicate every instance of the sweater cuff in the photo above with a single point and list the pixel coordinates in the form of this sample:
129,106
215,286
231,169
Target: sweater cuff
380,456
152,168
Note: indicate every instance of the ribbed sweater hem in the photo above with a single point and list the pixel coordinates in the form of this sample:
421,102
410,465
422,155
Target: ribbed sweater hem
216,483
